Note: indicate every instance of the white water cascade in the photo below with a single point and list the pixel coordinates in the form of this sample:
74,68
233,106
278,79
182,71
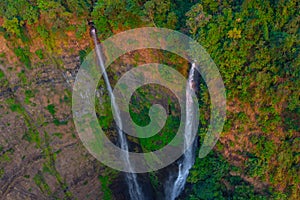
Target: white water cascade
174,189
135,190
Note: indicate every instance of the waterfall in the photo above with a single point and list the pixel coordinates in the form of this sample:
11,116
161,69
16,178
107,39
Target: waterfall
135,190
174,189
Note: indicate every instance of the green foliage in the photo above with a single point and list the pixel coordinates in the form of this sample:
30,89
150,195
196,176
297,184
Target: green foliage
28,95
112,15
67,97
57,122
5,157
139,108
14,106
196,18
78,7
39,53
106,178
16,14
244,192
59,135
55,14
160,14
43,32
212,167
104,112
31,15
51,109
31,133
13,26
276,161
82,55
107,194
49,167
2,172
208,176
81,29
155,183
24,55
2,75
22,77
3,80
255,45
40,181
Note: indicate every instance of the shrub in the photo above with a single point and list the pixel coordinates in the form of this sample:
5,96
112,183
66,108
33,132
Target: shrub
39,53
51,109
23,55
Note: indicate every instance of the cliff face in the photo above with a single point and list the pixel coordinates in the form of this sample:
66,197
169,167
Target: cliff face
41,155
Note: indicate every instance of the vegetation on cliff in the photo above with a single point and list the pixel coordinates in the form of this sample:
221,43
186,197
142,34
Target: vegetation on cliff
255,45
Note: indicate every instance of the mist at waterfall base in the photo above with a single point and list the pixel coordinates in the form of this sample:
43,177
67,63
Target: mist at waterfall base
175,182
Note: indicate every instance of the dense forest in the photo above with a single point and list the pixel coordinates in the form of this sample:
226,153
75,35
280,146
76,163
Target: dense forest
254,43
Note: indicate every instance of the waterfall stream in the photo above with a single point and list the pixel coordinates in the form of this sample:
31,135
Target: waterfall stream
174,188
135,190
